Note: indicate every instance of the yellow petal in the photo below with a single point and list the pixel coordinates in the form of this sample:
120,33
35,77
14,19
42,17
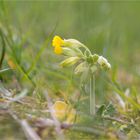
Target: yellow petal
64,112
60,109
71,116
58,50
57,41
59,105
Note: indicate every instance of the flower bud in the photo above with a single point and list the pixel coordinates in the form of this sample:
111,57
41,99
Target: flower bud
72,43
95,58
92,59
80,68
108,65
103,62
71,51
70,61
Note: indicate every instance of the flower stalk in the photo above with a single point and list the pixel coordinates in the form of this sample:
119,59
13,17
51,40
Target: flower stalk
92,95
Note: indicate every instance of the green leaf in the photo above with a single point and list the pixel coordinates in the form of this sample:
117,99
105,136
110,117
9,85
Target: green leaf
101,110
110,110
128,99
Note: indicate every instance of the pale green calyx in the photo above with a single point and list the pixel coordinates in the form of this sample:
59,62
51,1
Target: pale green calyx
95,58
72,51
80,68
72,43
69,61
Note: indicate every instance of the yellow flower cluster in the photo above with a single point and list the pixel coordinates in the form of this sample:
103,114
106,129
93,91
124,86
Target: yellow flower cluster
78,53
60,44
64,112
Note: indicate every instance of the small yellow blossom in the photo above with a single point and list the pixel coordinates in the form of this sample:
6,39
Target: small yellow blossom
58,50
11,64
64,112
57,43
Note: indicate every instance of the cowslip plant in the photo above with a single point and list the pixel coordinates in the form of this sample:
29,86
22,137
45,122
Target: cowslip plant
86,63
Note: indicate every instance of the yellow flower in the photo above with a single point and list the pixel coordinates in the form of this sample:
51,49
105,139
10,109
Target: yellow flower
11,64
64,112
58,50
57,43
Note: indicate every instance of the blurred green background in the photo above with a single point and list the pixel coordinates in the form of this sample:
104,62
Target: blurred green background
110,29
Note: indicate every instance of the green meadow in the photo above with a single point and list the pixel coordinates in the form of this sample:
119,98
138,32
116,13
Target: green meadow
69,70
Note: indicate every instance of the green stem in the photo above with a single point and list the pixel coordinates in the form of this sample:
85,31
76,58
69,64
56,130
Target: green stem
86,48
92,95
3,49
